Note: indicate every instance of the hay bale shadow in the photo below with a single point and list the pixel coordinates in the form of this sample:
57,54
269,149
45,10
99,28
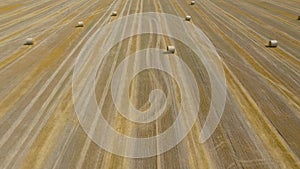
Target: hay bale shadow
269,46
167,53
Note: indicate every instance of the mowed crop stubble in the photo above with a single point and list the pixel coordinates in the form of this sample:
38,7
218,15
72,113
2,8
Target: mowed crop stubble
40,42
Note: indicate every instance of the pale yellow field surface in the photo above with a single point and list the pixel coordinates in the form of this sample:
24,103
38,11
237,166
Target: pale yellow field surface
260,125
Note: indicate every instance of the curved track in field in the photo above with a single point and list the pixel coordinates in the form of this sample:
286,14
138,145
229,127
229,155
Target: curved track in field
261,122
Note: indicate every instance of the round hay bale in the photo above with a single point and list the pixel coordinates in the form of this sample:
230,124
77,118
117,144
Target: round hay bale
273,43
171,49
114,13
80,24
29,41
192,2
188,18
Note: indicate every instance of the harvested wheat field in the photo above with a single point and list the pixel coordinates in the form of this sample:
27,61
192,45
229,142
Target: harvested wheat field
46,105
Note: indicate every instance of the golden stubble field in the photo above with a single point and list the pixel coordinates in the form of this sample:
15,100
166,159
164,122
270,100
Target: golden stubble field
259,127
